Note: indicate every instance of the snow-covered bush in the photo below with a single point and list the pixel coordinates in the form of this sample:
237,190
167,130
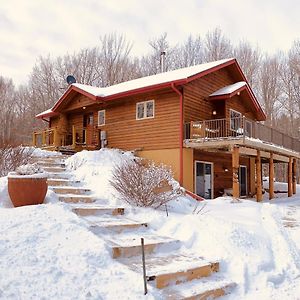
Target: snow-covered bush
142,183
29,169
12,157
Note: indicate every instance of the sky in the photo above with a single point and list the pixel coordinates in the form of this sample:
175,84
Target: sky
31,28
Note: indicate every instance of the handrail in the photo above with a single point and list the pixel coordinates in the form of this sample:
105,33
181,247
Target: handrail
240,127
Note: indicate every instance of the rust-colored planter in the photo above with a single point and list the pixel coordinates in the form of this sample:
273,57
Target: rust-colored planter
27,189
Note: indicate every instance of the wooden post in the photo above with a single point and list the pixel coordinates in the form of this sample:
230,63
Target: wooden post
235,172
294,176
34,139
252,176
271,176
55,138
43,138
258,178
73,137
290,178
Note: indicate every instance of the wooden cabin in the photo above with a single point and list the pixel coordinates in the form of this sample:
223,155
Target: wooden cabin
204,121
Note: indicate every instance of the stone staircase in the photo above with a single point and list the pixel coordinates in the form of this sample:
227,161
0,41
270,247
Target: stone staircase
178,275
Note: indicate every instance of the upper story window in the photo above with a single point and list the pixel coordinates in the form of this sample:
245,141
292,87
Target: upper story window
235,120
101,117
145,110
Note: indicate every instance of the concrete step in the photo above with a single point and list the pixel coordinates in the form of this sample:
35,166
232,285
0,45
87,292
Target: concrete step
201,289
72,198
96,210
54,169
116,223
59,175
130,244
62,182
44,164
70,190
170,269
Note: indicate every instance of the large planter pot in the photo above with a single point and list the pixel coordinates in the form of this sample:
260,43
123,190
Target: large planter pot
27,189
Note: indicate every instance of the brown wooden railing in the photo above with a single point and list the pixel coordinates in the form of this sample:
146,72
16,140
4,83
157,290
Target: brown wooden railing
238,128
52,137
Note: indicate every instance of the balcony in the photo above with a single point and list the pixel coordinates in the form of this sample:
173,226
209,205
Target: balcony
241,131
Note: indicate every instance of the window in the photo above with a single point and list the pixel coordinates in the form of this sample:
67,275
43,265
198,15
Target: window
235,120
101,117
145,110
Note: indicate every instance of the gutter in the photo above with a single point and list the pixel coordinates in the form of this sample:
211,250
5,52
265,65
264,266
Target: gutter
180,133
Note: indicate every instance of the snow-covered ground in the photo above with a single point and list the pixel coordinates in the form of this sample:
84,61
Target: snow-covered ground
47,252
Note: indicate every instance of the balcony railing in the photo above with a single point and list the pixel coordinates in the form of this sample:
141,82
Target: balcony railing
238,128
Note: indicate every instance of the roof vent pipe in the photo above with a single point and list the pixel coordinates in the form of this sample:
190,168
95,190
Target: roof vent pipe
162,61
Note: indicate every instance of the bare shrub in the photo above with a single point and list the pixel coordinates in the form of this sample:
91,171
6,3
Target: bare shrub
142,183
12,157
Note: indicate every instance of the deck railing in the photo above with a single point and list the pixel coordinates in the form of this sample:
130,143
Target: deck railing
53,138
238,128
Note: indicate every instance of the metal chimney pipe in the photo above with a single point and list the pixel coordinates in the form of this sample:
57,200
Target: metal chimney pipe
162,61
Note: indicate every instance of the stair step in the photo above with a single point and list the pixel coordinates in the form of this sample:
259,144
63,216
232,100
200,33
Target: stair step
70,198
130,245
70,190
114,223
61,182
53,164
54,169
91,210
60,175
165,270
201,289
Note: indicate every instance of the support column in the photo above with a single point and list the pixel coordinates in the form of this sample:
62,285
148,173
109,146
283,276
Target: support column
73,137
235,172
294,176
43,138
258,177
252,176
290,178
271,177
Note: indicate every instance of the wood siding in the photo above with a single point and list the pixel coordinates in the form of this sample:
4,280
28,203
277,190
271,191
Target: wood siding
198,106
222,179
125,132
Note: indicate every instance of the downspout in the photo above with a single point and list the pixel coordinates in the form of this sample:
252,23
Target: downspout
180,134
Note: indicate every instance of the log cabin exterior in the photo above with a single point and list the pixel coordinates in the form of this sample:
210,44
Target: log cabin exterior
203,121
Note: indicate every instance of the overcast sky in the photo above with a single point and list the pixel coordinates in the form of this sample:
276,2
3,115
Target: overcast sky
29,28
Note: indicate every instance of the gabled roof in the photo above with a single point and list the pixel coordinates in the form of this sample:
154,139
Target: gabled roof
145,84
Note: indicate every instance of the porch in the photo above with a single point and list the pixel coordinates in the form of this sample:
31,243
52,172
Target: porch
55,139
238,144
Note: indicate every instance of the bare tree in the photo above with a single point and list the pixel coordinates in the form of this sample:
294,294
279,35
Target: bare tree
270,86
216,46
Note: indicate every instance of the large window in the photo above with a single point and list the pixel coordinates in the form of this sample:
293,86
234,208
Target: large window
235,120
145,110
101,117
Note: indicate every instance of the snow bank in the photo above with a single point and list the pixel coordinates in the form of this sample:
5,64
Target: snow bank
95,169
37,152
43,256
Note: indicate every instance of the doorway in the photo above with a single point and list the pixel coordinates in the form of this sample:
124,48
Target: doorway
87,131
243,181
204,179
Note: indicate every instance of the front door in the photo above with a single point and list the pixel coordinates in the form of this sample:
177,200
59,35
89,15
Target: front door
87,132
243,180
204,179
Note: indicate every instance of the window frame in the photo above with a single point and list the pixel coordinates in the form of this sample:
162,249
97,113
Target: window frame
231,119
144,103
104,117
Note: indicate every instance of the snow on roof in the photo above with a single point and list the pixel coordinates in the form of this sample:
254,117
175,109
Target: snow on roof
161,78
46,112
229,89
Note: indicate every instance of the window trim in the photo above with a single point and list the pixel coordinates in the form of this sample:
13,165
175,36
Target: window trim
240,116
145,110
104,115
